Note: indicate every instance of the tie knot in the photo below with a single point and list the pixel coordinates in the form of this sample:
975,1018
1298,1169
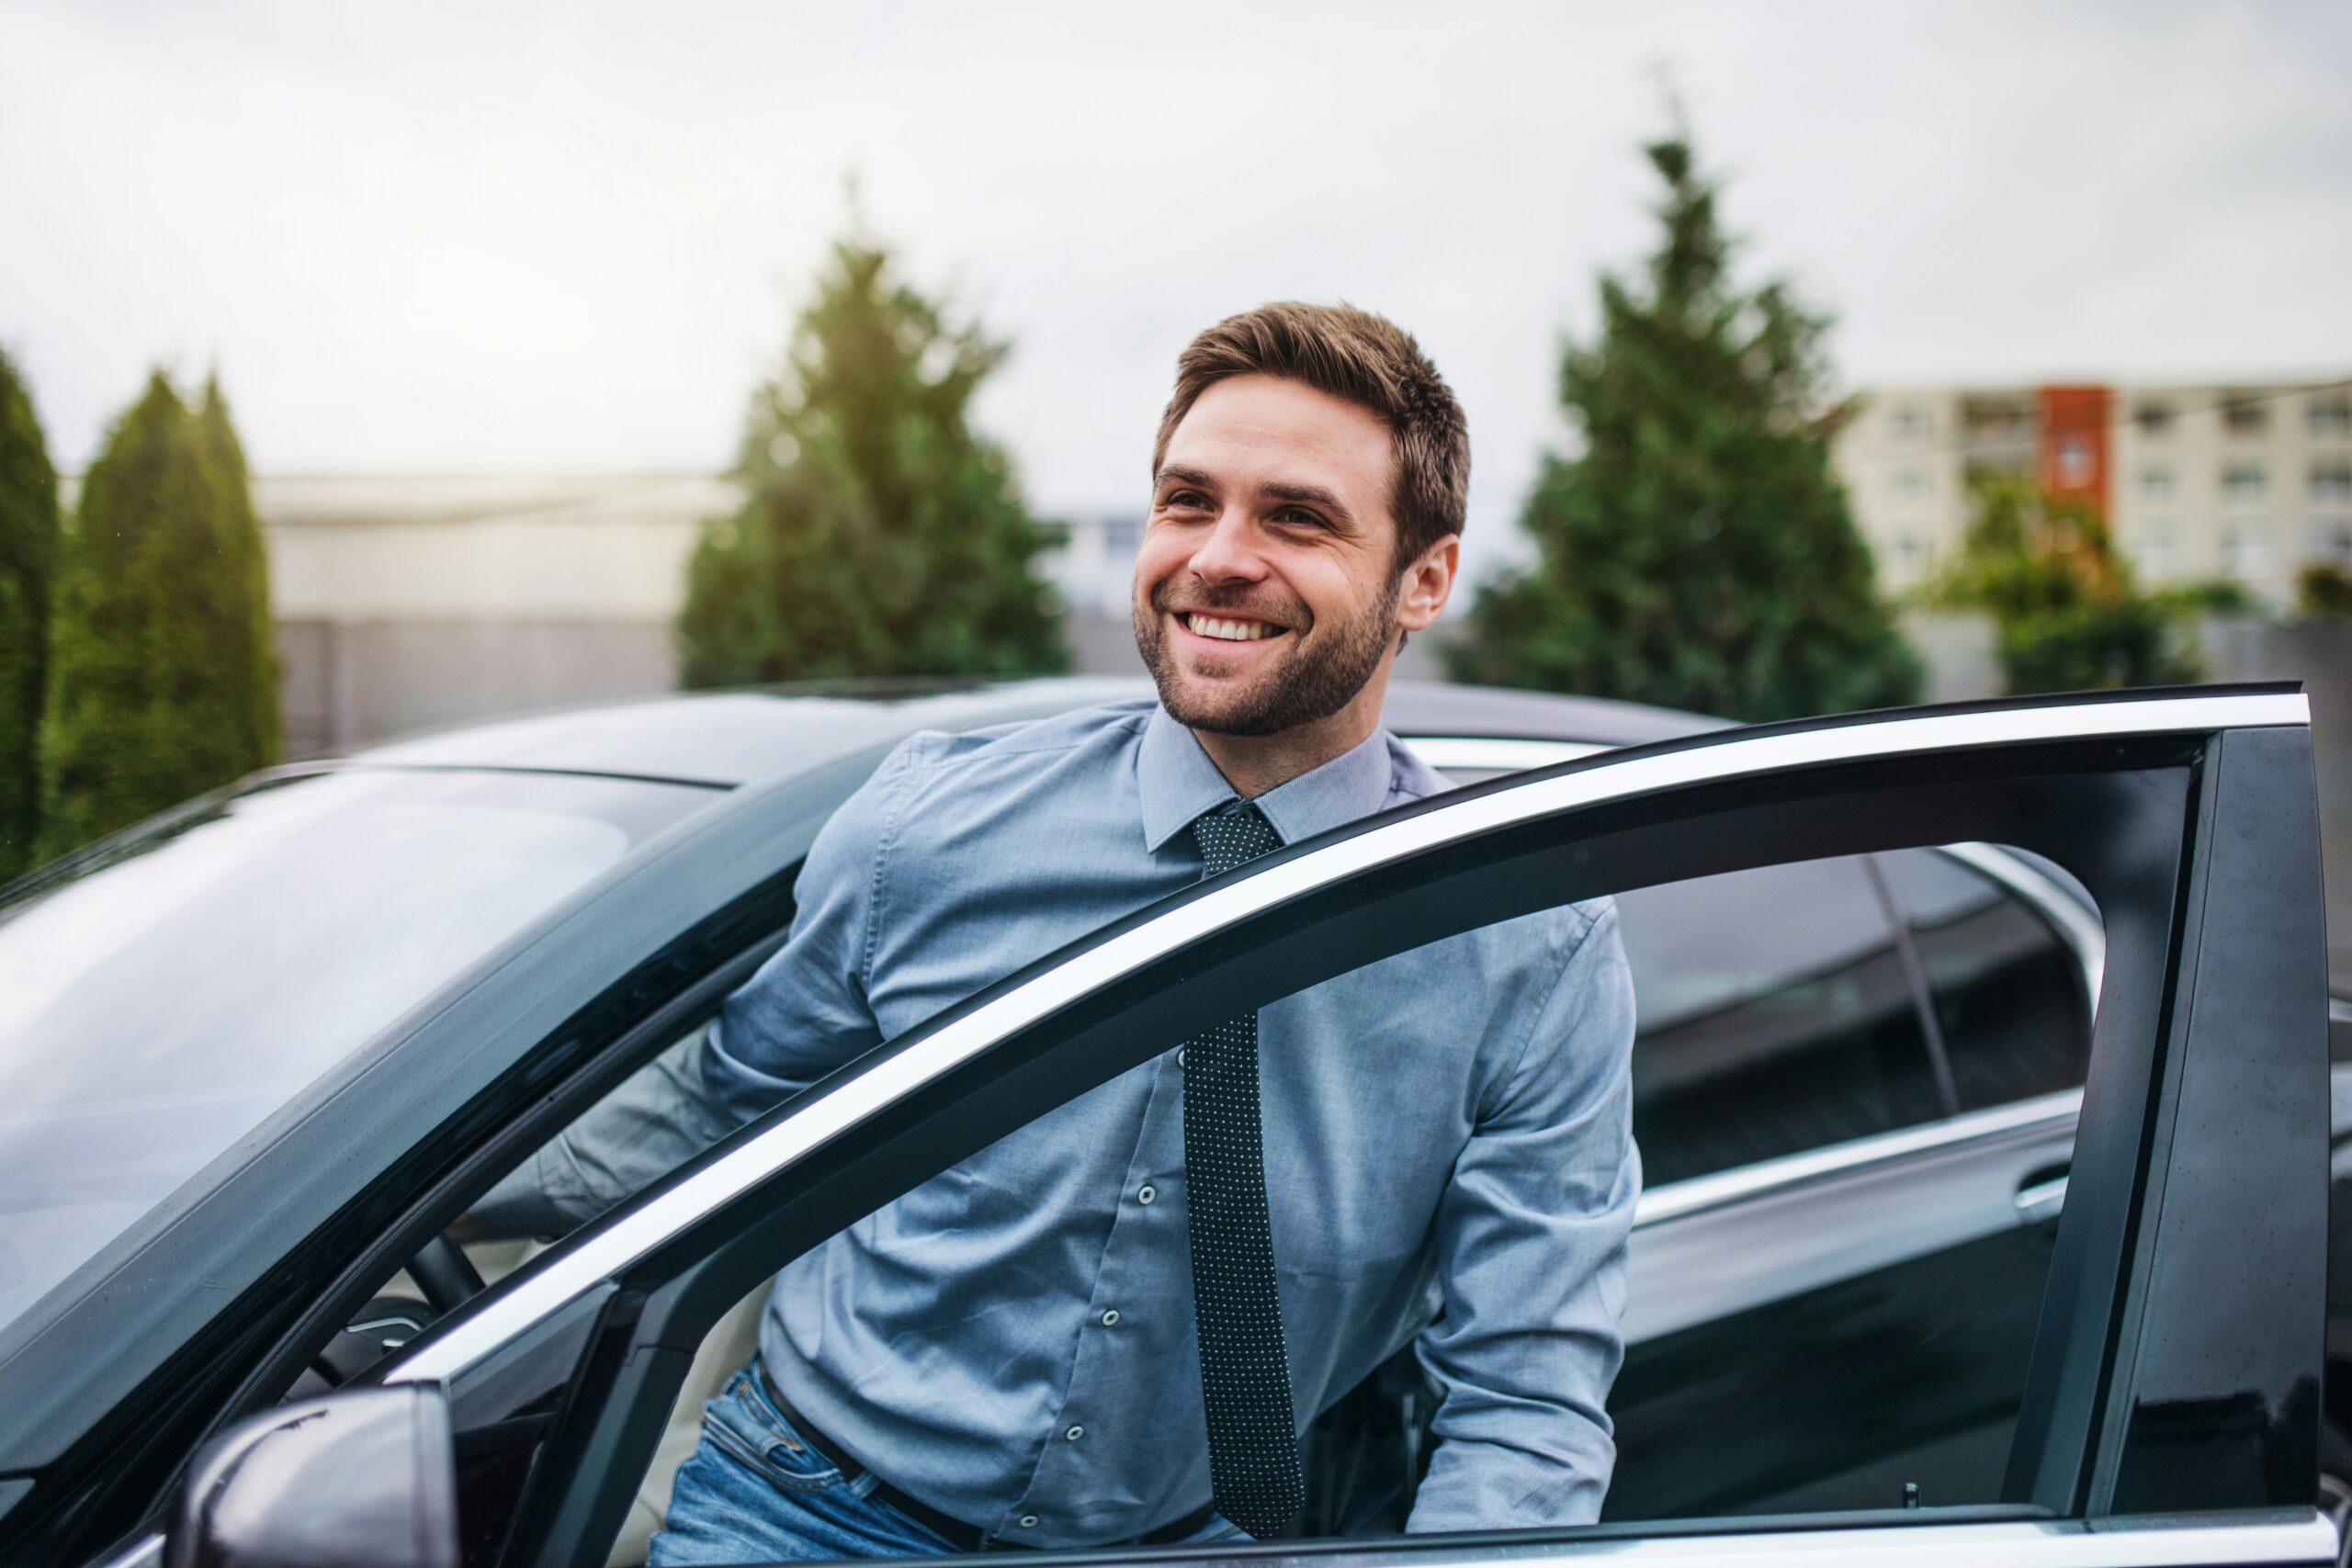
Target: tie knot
1232,835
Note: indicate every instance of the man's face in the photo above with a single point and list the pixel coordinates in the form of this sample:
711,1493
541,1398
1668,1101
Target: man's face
1266,592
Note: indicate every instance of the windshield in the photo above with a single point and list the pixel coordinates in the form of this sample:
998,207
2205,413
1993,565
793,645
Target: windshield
163,1002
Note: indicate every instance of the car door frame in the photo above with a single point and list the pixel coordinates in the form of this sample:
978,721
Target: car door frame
1819,1219
2190,815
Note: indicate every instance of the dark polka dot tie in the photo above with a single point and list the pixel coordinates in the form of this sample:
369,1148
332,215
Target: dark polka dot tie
1245,1371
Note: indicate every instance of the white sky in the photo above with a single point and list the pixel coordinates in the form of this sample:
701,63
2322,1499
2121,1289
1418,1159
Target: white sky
478,237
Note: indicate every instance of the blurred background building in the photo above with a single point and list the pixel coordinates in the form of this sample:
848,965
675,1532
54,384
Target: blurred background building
2244,483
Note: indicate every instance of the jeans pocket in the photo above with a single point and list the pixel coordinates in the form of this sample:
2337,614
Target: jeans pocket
747,1426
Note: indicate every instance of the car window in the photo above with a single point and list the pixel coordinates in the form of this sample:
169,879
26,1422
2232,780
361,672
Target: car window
1775,1017
2010,998
179,987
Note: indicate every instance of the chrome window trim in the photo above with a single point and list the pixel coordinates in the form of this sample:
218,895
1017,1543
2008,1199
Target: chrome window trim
2044,1112
2082,931
2022,1544
2078,926
144,1552
638,1231
2185,1542
1503,755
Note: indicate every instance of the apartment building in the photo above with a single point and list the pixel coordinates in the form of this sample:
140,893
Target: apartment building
2247,481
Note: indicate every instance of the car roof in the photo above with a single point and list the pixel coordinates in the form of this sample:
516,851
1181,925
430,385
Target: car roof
736,737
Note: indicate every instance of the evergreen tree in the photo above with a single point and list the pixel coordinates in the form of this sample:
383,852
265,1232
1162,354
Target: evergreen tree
1698,552
880,534
245,629
152,670
28,566
2067,615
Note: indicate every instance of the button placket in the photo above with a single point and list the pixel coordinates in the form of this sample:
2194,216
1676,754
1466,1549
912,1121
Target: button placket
1071,1462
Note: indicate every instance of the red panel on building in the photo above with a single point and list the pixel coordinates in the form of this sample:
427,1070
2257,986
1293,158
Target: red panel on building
2076,443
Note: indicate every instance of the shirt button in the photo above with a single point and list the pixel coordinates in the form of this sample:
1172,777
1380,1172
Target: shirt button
1146,1193
1111,1318
1075,1433
1181,1053
1028,1521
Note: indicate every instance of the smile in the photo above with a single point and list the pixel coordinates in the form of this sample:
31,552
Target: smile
1229,631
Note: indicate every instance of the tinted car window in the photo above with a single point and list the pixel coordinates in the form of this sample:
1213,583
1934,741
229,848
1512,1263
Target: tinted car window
2009,995
164,1001
1774,1018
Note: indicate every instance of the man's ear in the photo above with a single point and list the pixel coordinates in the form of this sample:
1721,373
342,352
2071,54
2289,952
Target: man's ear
1428,584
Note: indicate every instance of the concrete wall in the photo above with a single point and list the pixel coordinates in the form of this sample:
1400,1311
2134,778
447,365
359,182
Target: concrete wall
2320,656
348,682
345,683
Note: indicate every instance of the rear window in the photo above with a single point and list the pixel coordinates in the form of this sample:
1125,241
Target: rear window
161,1002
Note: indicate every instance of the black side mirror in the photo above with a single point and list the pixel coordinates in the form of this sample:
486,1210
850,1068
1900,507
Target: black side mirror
361,1479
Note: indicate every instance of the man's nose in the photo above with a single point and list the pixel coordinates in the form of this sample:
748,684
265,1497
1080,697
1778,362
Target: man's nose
1229,553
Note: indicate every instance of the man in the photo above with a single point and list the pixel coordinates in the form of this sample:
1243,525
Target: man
1112,1325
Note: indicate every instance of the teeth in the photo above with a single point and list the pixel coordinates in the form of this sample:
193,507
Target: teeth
1231,631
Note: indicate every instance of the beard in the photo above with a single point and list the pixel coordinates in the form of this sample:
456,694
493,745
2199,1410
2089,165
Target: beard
1329,662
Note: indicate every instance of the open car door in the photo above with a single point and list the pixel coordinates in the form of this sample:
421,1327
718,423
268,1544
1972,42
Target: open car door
2171,1409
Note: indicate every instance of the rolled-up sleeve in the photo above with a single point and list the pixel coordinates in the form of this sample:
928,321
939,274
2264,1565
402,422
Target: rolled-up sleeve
802,1015
1532,1241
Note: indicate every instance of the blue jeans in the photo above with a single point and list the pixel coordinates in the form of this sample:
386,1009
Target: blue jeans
755,1491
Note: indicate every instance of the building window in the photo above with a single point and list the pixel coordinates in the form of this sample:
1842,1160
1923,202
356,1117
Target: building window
2244,553
2243,415
2156,555
1910,558
2332,483
2154,416
1910,424
2074,462
1997,418
1911,485
2244,484
2155,486
2330,417
2332,543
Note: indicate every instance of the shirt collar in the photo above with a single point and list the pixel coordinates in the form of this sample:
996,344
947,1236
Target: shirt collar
1178,782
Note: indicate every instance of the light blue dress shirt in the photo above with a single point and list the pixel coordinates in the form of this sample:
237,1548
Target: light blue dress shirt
1449,1154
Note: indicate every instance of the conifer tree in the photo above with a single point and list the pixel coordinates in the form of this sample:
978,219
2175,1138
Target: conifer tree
880,534
28,566
1697,552
152,666
245,629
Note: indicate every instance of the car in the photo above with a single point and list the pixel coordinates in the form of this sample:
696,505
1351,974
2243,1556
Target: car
287,1033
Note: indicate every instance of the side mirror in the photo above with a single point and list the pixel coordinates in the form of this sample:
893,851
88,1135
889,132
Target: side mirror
365,1478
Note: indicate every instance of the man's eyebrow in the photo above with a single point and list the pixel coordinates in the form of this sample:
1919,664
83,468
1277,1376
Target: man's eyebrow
1304,495
1311,495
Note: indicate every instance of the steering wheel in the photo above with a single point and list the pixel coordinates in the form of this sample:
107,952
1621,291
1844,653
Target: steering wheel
445,1275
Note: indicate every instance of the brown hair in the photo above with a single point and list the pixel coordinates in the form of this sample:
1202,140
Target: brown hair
1368,360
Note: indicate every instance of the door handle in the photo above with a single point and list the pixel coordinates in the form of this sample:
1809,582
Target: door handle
2040,1199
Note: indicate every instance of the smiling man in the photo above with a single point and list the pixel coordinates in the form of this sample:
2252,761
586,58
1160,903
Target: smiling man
1112,1326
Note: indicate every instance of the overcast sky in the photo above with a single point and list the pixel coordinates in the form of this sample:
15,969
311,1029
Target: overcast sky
505,237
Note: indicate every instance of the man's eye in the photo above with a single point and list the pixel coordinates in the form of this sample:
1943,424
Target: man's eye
1299,515
1185,500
